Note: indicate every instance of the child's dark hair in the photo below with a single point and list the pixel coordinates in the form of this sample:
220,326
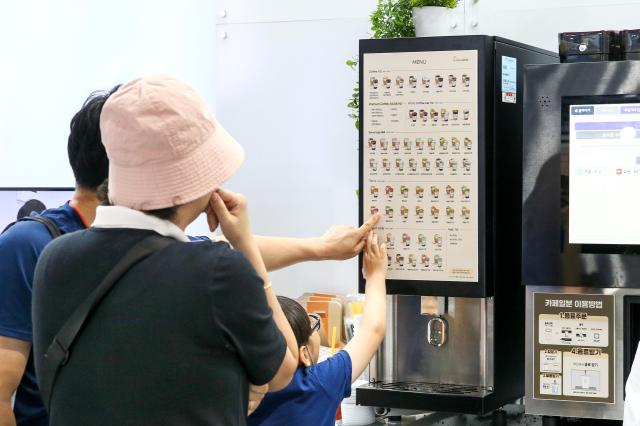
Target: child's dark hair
298,319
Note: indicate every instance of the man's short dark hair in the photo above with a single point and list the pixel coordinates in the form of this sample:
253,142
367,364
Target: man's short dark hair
87,155
31,206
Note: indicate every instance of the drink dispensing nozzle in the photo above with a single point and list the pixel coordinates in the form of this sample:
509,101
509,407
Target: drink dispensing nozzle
435,308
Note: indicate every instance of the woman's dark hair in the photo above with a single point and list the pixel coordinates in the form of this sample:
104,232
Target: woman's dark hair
31,206
298,319
168,213
87,156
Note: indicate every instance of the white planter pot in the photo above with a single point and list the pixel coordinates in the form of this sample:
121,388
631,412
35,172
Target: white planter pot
432,21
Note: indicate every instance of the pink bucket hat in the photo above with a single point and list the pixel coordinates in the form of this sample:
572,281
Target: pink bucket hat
165,148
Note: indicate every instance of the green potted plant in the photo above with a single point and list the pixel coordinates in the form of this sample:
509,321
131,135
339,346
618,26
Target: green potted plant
433,17
390,19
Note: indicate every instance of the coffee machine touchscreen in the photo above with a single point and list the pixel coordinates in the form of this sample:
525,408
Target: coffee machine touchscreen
604,173
420,161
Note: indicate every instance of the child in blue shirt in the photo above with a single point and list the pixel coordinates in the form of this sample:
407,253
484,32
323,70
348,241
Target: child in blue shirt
316,390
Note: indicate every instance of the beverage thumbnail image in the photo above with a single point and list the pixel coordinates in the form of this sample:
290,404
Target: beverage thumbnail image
372,144
419,144
373,82
435,212
374,191
426,164
437,240
455,143
407,144
384,144
388,190
413,81
386,82
400,82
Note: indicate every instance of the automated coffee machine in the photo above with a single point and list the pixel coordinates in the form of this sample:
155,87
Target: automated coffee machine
455,337
581,236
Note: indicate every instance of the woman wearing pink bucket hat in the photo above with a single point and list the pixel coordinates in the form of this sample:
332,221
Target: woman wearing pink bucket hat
134,325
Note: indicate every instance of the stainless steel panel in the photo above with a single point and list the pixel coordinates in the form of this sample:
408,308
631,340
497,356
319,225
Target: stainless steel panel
465,359
568,408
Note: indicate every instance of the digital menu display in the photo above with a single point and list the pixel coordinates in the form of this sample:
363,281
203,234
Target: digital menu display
604,173
420,129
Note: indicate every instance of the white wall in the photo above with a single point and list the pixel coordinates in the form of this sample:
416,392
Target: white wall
281,91
54,53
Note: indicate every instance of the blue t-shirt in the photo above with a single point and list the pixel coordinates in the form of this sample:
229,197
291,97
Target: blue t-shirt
312,397
20,248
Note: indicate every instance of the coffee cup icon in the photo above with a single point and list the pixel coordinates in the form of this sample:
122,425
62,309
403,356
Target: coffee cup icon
386,164
422,240
390,239
419,192
373,210
374,191
419,212
466,163
384,144
413,164
435,212
443,144
466,212
444,114
395,143
404,212
413,116
454,114
404,191
388,210
467,143
426,164
399,164
386,81
426,82
450,191
406,240
431,143
400,82
439,80
452,80
412,81
453,164
465,114
412,260
424,260
433,114
373,81
419,144
372,144
439,164
400,259
437,259
388,190
437,240
407,144
389,260
455,143
422,115
450,212
435,191
373,164
466,192
466,80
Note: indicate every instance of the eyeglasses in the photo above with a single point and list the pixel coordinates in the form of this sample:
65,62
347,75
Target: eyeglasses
315,322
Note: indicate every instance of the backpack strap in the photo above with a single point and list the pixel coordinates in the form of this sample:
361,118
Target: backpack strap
58,352
48,223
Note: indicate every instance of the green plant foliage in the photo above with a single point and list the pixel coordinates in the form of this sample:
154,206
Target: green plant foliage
354,101
391,19
442,3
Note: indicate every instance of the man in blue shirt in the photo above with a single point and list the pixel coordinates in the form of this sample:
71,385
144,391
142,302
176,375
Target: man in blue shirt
21,245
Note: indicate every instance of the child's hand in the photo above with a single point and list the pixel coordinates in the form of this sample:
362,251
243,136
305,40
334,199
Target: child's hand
375,257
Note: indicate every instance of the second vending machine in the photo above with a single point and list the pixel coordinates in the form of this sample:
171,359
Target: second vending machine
441,161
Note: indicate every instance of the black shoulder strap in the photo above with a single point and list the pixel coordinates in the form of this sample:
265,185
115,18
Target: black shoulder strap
57,354
51,225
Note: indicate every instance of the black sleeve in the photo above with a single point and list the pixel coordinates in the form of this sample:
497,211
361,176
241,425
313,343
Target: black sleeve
245,318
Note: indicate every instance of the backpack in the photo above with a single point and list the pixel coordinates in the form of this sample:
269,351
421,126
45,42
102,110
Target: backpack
48,223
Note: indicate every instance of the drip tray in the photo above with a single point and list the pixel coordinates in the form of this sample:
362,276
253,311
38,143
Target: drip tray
457,398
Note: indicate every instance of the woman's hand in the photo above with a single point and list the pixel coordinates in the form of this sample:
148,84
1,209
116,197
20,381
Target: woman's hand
230,210
375,258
